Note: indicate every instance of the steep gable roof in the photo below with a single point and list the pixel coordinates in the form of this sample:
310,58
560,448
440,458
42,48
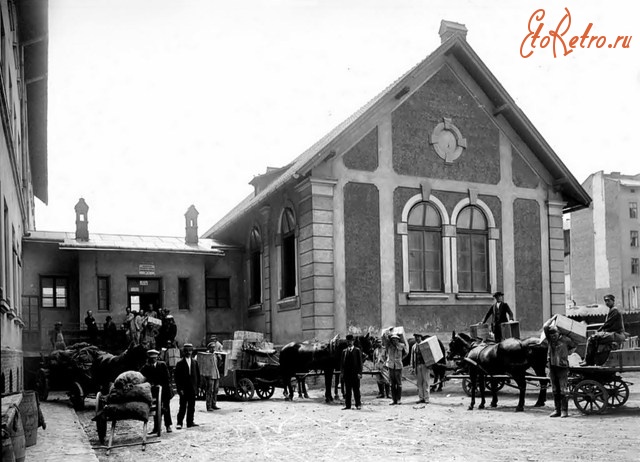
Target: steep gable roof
457,46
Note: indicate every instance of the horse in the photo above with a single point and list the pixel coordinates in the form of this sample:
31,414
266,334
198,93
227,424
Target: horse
438,370
303,357
106,367
511,356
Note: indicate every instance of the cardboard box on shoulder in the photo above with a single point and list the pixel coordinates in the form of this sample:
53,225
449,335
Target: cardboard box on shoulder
479,330
431,351
397,330
577,331
510,329
206,362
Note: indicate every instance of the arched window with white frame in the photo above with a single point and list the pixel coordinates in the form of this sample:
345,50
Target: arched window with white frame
472,233
424,229
255,267
288,260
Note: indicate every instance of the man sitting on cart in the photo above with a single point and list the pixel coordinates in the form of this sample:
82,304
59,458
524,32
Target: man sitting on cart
612,331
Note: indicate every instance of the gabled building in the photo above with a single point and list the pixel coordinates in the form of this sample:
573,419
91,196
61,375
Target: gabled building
604,246
23,163
412,212
71,273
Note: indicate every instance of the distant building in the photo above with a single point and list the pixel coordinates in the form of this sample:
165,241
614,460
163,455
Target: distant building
23,163
71,273
412,212
604,247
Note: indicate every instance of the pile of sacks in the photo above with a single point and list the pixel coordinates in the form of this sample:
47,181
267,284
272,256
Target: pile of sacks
129,398
77,356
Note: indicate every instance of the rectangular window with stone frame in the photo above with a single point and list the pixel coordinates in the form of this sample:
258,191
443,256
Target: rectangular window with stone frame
633,210
54,292
635,266
217,293
634,238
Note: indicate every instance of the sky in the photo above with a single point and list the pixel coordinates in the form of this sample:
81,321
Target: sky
156,105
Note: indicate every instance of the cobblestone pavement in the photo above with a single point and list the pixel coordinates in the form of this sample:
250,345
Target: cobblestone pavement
64,440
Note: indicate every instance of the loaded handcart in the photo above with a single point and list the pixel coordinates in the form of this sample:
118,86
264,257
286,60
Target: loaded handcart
250,367
68,370
130,398
595,389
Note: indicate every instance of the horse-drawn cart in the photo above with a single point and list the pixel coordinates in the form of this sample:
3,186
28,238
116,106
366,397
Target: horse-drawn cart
259,373
597,388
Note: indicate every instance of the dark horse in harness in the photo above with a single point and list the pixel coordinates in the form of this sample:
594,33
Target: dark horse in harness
301,358
106,367
511,356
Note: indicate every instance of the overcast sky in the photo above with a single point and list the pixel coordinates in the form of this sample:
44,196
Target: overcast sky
155,105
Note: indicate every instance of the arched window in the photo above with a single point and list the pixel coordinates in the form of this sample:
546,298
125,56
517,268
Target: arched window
255,267
288,254
424,228
473,250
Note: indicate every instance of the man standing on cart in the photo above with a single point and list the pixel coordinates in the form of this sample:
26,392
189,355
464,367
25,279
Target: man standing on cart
499,312
612,331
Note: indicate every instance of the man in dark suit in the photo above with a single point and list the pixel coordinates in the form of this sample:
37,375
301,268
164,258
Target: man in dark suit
499,312
351,370
187,375
157,374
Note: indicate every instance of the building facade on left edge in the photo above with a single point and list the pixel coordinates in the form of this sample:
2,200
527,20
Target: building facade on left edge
23,162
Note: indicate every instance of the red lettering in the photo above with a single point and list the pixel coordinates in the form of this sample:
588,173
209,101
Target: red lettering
585,35
601,41
538,15
557,36
572,42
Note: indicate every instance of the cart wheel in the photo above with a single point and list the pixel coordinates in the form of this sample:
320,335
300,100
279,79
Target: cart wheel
265,392
76,396
618,392
466,386
245,389
42,385
498,384
229,391
101,424
590,397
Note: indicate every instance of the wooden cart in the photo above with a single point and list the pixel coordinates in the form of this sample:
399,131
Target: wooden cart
155,415
259,374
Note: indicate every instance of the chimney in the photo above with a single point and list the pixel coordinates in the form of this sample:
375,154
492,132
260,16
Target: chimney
191,235
452,29
82,222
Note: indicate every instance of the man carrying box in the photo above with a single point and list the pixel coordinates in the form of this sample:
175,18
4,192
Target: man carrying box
419,367
612,331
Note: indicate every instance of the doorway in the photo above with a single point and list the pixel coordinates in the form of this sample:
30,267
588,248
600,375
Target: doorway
143,293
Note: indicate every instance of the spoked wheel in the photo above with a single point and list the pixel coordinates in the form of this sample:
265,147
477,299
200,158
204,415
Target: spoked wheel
265,391
229,391
42,385
76,396
245,389
101,424
618,392
590,397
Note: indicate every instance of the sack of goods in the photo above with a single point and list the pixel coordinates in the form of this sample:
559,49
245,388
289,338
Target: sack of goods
138,392
128,379
134,410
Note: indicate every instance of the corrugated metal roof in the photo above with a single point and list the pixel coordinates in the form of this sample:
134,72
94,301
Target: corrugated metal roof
587,310
132,243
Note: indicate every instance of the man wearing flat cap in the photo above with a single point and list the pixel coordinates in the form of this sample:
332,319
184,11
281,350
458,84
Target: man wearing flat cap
499,312
211,375
351,371
612,331
187,376
157,374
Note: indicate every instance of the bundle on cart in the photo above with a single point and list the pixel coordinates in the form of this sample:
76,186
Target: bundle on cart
129,398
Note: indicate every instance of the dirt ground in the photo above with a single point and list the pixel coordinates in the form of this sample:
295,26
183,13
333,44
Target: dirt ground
444,430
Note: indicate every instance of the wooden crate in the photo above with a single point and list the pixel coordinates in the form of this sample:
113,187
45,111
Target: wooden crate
577,331
623,358
480,331
431,351
510,329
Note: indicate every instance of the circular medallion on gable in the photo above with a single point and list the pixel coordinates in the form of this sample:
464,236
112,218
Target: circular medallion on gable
447,141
